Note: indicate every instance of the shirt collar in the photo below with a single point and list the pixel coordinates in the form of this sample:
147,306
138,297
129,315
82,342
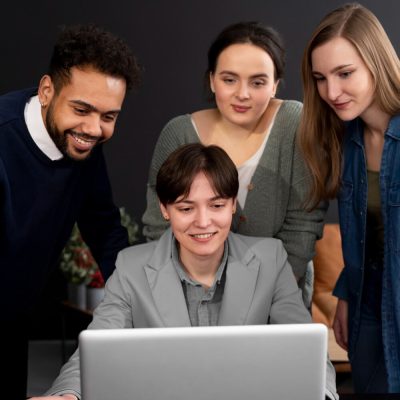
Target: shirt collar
356,129
393,128
183,276
38,131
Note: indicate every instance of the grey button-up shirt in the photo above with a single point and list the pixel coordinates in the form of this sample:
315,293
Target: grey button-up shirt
203,305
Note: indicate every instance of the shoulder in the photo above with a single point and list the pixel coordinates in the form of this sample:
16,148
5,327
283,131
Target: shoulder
135,255
12,104
178,123
286,125
177,131
291,108
261,247
154,253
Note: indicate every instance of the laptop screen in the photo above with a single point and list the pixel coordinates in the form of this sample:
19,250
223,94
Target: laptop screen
202,363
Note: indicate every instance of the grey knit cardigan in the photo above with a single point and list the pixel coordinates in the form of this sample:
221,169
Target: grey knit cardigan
275,202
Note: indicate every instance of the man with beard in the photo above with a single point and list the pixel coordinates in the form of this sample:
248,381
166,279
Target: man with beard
53,174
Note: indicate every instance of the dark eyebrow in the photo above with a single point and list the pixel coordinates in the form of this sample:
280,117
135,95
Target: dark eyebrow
91,107
260,75
192,202
338,68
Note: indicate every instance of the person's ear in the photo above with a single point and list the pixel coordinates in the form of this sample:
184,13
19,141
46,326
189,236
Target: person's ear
234,202
46,91
212,88
275,88
164,211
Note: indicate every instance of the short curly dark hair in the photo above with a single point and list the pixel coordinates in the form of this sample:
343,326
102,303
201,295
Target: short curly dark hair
90,45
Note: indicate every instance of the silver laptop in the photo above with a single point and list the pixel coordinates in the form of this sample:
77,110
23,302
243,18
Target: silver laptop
277,362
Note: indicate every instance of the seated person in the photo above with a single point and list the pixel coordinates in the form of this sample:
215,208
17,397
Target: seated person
198,273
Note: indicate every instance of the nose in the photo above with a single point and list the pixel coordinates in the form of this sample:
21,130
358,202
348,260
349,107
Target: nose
243,91
202,218
92,125
333,89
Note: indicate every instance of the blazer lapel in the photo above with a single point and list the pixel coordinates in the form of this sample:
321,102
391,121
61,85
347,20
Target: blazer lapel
166,286
240,284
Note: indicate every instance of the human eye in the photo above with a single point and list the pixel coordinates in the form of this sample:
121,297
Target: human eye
81,110
109,117
345,74
229,80
259,83
319,78
185,209
218,205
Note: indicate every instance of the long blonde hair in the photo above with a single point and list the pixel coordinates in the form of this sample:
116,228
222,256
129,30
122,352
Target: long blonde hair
321,130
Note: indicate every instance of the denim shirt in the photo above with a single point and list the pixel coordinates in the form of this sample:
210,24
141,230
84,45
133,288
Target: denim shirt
352,203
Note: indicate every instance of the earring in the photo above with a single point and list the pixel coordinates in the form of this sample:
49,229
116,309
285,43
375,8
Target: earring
166,217
42,104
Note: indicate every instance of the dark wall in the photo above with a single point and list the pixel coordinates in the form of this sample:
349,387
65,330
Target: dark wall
170,39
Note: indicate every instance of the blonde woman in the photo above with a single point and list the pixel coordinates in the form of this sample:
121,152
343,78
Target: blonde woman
350,135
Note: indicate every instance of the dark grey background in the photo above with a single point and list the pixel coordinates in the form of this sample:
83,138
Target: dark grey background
170,39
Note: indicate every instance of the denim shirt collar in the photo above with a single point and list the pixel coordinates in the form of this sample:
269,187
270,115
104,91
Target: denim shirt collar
393,129
356,127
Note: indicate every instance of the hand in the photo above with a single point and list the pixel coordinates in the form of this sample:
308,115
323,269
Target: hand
340,324
62,397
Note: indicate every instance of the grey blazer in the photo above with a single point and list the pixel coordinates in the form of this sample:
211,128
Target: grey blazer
145,291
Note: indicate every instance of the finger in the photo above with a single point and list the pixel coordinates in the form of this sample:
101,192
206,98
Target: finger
337,330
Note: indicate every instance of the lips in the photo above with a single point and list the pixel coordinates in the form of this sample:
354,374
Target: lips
202,237
82,141
341,106
240,109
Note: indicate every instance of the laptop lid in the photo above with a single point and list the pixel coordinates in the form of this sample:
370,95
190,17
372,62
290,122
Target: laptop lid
205,363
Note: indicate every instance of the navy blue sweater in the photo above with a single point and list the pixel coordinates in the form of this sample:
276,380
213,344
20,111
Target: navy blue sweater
40,200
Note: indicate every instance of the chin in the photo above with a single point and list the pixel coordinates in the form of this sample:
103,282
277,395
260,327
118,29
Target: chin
346,117
77,156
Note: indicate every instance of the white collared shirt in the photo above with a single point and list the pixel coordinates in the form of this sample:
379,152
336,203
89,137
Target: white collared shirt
38,131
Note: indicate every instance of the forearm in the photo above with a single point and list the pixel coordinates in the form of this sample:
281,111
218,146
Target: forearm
68,382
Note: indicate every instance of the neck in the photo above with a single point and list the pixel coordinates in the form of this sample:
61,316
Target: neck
376,122
234,131
202,269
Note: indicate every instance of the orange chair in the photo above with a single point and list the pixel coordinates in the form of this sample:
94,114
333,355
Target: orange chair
328,263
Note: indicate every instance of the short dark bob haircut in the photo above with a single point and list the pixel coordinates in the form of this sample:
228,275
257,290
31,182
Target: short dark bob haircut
177,173
85,46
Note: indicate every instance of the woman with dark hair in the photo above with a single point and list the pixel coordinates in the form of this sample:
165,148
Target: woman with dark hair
198,273
350,138
258,131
